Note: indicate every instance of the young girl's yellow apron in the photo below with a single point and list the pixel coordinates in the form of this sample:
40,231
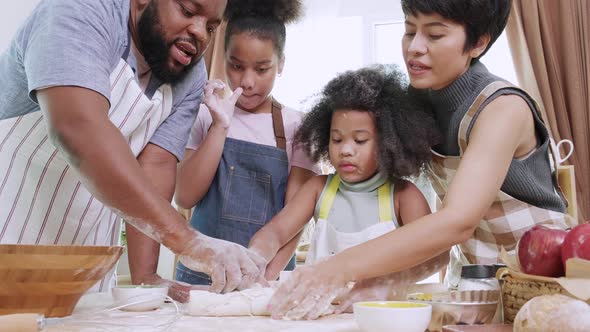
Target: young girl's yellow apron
327,241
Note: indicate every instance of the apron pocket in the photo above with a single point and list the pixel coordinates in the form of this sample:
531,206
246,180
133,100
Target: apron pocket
246,196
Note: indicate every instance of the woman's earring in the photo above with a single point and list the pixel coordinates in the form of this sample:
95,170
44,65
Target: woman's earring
279,74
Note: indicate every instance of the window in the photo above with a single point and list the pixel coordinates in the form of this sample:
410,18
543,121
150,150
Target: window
315,52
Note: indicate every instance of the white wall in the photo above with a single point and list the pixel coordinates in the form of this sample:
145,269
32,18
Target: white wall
334,36
369,11
12,15
338,35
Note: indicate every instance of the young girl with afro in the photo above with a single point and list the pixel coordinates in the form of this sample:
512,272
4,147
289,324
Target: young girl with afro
376,134
240,166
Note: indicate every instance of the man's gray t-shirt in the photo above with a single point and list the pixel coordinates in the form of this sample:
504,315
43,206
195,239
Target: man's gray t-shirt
79,43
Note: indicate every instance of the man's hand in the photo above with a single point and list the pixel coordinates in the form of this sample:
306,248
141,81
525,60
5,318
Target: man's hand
177,290
230,265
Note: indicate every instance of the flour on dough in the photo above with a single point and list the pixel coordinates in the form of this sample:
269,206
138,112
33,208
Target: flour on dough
249,302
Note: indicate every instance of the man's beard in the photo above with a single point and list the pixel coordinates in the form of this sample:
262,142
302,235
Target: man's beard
156,49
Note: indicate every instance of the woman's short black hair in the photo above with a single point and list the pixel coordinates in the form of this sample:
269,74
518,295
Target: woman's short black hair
406,129
264,19
479,17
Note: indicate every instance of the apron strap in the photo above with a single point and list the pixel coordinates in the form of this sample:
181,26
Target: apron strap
384,197
487,92
555,178
329,196
277,124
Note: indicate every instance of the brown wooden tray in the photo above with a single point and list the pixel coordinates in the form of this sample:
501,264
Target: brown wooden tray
478,328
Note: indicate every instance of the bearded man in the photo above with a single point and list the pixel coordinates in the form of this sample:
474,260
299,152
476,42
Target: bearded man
97,98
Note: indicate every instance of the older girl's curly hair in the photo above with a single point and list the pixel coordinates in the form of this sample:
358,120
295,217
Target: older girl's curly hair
406,129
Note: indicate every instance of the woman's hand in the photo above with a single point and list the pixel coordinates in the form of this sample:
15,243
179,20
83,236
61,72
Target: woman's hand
221,109
387,288
309,292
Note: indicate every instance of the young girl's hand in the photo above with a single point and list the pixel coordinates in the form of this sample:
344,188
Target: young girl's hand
221,109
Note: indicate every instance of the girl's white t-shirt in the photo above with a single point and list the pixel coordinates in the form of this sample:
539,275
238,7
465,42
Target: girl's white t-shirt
256,128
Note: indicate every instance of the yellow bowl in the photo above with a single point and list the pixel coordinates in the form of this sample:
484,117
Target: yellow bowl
377,316
50,279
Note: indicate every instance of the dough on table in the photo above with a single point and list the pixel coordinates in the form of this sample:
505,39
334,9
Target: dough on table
553,313
249,302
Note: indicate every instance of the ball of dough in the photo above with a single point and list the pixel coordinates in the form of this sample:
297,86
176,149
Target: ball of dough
553,313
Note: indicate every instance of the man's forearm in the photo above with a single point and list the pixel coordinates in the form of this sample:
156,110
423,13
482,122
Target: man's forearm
143,252
115,177
79,127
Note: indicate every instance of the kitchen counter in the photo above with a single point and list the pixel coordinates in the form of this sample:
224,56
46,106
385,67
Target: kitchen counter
88,318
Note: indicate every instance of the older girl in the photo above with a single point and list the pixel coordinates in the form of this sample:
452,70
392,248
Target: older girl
241,165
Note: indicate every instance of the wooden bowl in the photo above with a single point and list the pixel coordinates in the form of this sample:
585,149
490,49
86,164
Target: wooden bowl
50,279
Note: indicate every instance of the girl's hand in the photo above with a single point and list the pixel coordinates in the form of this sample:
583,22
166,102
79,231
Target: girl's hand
267,254
249,281
308,293
221,109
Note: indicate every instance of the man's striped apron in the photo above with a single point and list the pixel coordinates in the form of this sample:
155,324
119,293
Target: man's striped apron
41,198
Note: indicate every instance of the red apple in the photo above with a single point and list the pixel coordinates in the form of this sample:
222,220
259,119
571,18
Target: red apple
539,251
576,243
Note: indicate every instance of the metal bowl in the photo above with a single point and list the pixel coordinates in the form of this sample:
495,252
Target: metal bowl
459,307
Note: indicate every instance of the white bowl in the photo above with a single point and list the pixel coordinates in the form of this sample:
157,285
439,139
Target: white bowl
379,316
140,297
